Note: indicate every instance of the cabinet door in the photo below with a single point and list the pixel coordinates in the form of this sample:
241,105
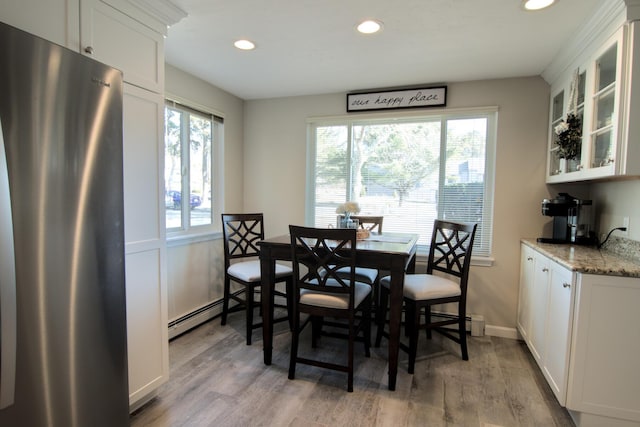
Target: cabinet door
539,294
147,319
55,20
524,296
602,123
114,38
604,378
558,329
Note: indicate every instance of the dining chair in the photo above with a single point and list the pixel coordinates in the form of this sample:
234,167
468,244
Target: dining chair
450,258
318,291
242,232
370,276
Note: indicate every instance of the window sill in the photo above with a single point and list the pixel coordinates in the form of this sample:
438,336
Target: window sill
478,261
174,240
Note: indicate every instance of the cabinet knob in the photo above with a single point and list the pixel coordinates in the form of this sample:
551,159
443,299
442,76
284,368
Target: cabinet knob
544,270
529,258
566,285
88,50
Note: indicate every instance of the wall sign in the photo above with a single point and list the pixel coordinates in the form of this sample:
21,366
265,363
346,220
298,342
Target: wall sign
392,99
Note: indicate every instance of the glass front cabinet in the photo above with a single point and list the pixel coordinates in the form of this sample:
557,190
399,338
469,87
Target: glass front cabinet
601,99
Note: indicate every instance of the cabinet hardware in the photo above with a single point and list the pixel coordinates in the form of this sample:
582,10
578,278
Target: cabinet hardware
566,285
544,270
88,50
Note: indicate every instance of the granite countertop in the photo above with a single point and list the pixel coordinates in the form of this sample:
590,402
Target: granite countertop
588,259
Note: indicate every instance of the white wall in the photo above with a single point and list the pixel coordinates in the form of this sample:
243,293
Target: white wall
615,200
275,137
195,269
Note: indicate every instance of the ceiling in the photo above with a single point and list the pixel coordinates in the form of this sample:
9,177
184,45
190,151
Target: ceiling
309,47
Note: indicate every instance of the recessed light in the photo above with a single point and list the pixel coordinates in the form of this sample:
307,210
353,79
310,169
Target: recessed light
369,26
244,44
537,4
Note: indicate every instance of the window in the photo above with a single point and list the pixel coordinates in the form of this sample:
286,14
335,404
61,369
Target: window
191,138
411,170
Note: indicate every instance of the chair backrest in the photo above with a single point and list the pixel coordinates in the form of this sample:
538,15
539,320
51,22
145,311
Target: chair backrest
322,252
367,222
241,232
450,250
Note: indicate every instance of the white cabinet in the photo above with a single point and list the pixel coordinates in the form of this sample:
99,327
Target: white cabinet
53,20
604,379
104,31
147,319
589,342
605,98
559,315
544,315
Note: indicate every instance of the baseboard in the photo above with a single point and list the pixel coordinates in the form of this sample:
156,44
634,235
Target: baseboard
501,331
196,318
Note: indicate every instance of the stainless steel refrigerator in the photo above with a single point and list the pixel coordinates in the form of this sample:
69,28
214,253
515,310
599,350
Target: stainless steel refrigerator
63,358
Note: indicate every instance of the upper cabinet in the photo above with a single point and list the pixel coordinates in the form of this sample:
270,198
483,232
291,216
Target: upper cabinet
105,31
591,134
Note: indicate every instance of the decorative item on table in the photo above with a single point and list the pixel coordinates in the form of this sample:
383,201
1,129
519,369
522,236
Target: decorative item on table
347,209
362,234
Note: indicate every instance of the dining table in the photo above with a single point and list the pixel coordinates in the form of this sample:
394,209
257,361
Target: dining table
387,251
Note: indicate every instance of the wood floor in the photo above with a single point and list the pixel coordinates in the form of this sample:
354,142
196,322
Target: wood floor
217,380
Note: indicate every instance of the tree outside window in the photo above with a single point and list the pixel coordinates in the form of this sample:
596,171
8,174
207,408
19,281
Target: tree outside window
410,171
189,137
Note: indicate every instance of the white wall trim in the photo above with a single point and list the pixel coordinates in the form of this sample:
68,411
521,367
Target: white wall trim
501,331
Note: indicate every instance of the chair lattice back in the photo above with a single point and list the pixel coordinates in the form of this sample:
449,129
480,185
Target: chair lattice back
450,251
371,223
323,251
242,232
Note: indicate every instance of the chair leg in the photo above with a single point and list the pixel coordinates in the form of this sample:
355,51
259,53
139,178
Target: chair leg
316,330
381,317
352,338
225,301
294,345
462,328
249,311
289,291
427,320
414,319
366,317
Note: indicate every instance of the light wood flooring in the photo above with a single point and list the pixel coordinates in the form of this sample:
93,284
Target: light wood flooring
217,380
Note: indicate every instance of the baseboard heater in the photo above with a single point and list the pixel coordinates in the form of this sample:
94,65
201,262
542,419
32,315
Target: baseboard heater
197,317
475,322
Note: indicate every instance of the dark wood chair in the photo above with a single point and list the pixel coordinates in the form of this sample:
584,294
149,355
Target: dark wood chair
242,232
449,253
320,292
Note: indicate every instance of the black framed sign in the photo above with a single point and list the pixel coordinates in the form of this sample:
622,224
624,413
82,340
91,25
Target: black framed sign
402,98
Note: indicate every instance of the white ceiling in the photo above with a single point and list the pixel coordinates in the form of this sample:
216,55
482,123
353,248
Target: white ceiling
307,47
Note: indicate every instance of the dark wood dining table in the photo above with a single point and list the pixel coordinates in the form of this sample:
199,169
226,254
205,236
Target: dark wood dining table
394,252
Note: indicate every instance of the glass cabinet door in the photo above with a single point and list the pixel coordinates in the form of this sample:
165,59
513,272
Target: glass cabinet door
557,112
602,136
574,165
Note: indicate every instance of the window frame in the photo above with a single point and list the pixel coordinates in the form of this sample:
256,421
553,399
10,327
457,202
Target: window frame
198,232
490,113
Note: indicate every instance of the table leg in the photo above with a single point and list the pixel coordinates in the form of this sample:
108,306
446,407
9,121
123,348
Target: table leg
395,317
267,271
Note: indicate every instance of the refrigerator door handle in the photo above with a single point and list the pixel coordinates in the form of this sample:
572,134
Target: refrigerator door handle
8,309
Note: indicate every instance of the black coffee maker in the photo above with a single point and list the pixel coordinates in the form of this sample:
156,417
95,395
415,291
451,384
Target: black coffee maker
572,220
